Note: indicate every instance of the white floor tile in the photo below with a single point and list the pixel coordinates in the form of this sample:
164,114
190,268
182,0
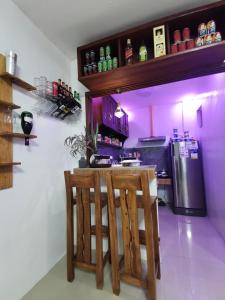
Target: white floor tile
192,264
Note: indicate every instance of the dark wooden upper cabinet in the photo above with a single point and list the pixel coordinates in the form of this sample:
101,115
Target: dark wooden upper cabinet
188,64
103,114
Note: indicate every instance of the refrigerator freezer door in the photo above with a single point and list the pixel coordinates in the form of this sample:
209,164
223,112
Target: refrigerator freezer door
188,178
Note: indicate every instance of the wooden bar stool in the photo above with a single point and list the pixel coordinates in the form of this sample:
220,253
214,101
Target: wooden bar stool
83,182
129,268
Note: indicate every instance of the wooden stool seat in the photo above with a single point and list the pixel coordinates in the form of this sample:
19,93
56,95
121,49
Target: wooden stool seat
129,268
84,183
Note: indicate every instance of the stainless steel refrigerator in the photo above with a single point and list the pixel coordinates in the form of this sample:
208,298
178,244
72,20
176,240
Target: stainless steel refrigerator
188,184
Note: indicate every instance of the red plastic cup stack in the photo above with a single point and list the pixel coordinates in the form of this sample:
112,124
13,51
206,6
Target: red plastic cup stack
182,46
177,36
190,44
186,34
181,43
173,48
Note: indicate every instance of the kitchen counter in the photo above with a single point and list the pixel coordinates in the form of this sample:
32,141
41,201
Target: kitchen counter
103,171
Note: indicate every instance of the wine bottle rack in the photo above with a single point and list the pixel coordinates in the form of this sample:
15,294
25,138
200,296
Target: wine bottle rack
6,130
71,106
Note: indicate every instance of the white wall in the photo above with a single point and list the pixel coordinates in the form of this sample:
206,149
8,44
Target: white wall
139,125
32,213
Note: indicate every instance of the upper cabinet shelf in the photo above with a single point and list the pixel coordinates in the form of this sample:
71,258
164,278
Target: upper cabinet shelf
21,83
196,62
173,67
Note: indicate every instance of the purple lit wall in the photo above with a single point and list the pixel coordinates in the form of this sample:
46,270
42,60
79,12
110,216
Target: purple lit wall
213,144
139,125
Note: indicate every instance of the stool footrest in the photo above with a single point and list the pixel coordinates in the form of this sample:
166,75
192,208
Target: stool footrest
132,280
85,266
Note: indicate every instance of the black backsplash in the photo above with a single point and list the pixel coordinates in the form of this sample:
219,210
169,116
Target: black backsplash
149,155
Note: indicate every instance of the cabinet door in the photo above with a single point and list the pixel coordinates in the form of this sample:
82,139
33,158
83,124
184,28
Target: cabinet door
115,119
107,112
126,126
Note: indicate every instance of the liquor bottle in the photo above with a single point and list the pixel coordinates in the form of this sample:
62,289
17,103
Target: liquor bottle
67,90
63,90
75,95
55,89
59,88
143,53
129,53
70,93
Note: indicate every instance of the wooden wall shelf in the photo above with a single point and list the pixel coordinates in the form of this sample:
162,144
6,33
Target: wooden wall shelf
17,135
8,164
17,81
6,129
10,105
188,64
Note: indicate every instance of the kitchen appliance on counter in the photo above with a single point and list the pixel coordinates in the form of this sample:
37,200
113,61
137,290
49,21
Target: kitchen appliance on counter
100,161
188,185
131,162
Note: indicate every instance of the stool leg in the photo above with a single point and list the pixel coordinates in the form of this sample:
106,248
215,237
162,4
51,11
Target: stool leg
113,238
151,280
70,242
156,238
99,244
109,247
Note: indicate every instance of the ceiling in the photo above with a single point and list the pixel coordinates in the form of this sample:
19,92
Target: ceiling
69,24
182,91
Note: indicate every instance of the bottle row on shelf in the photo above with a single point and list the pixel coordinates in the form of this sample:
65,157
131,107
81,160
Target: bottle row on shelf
58,92
105,63
130,55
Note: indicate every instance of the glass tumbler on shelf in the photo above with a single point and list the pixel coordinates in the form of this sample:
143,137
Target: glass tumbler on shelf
37,85
48,89
7,116
16,123
43,82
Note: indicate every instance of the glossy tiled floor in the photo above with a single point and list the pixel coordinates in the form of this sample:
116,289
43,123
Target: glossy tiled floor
193,267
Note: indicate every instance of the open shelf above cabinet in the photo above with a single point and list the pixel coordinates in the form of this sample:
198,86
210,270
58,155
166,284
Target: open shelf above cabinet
192,63
17,81
17,135
187,64
7,164
9,105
